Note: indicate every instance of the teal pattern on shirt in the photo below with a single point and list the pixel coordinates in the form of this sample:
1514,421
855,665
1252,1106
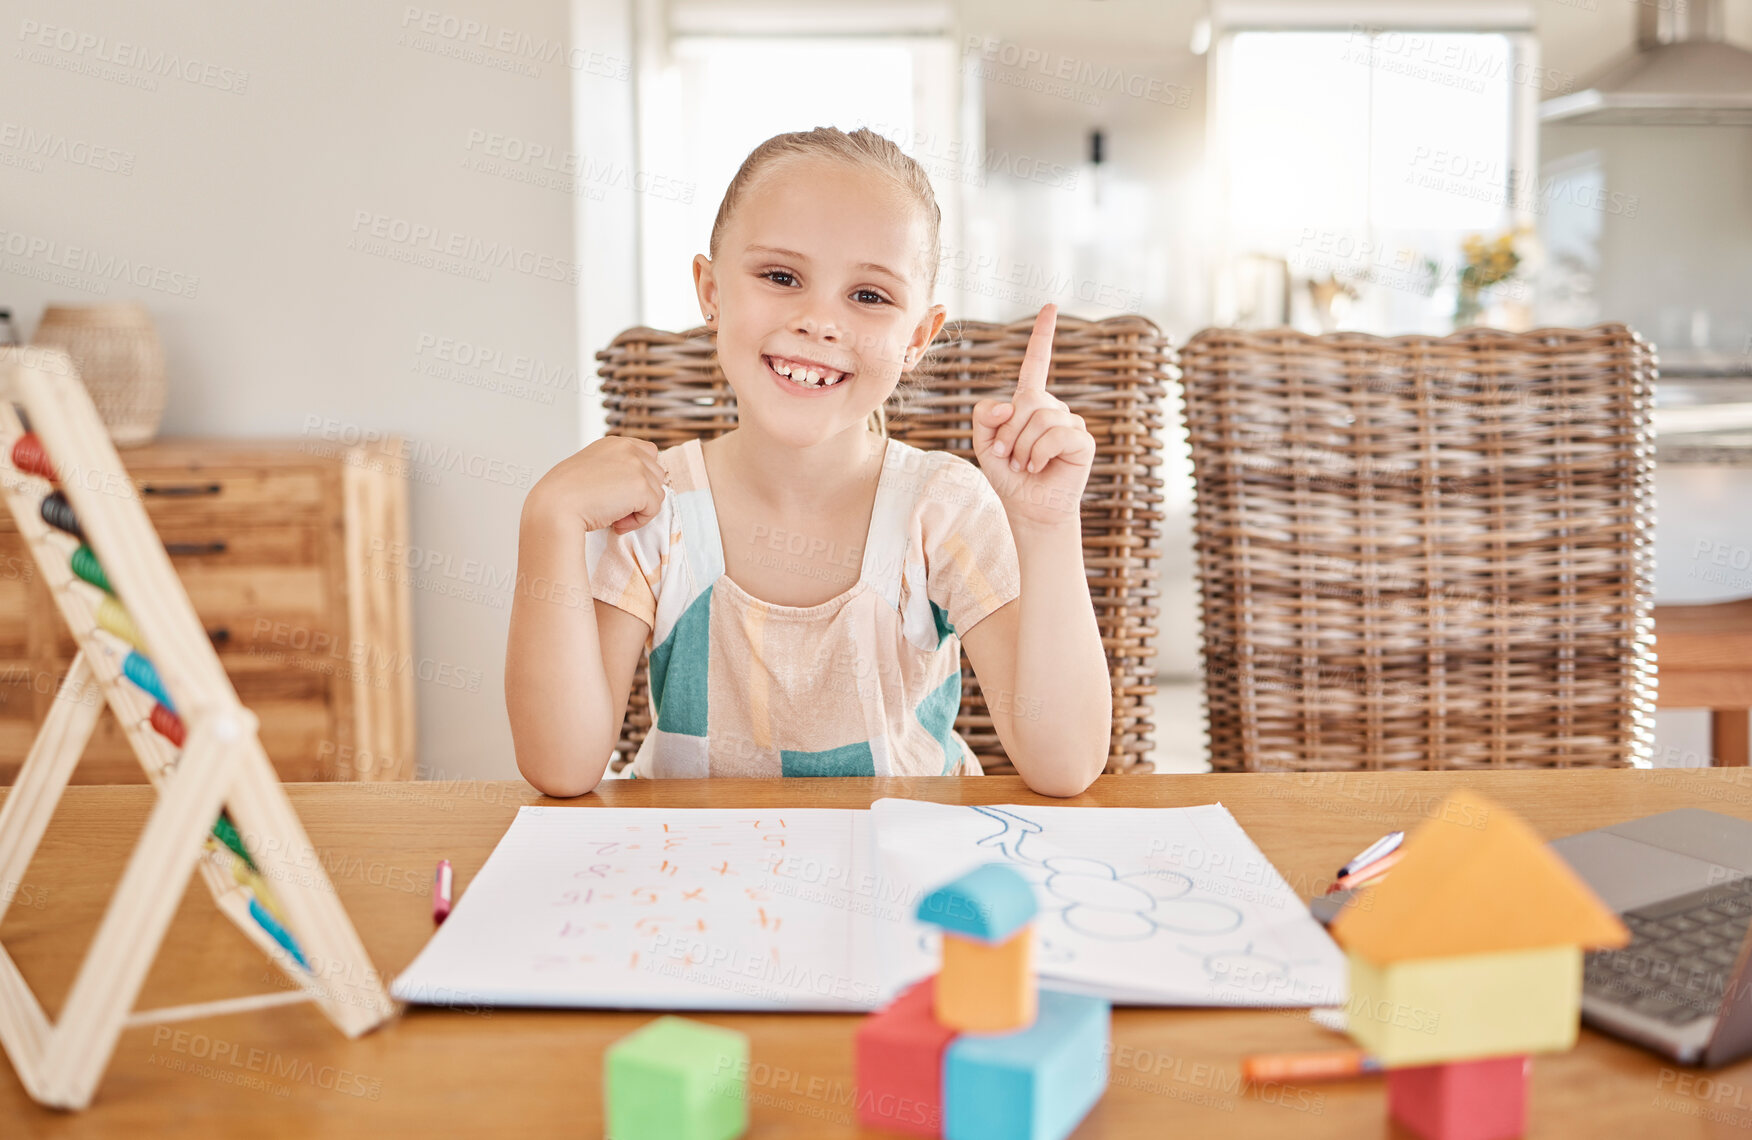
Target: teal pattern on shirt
846,760
937,713
679,668
941,617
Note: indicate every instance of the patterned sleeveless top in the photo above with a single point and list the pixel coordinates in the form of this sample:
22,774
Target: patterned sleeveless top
867,683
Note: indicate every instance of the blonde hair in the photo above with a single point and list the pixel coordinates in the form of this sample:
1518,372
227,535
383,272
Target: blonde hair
865,148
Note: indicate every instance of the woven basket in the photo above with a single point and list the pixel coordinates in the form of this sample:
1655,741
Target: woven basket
1424,552
666,388
120,361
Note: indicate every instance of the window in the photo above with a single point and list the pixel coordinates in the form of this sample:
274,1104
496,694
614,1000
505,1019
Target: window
1354,163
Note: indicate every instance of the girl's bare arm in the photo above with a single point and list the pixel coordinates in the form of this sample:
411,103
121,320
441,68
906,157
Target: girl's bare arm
1042,668
569,659
557,692
1041,656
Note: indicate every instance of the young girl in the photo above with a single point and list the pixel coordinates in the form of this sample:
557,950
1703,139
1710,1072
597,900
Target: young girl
804,582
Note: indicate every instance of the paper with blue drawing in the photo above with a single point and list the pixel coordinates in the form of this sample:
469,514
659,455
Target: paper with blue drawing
813,909
1148,906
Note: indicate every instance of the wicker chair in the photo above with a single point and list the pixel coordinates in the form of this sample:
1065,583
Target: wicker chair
666,388
1424,552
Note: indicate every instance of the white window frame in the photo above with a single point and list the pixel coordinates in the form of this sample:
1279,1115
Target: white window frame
1513,19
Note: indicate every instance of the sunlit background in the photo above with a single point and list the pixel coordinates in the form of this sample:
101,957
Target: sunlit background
1313,163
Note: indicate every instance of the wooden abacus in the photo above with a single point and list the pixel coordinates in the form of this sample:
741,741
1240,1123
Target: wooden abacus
220,804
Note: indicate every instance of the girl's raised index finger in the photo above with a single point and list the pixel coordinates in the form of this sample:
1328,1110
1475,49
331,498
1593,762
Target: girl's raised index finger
1039,353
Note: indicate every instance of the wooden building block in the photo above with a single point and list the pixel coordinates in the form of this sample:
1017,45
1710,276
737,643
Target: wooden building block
990,903
1430,1010
987,987
1462,1100
1476,879
900,1064
676,1079
1035,1084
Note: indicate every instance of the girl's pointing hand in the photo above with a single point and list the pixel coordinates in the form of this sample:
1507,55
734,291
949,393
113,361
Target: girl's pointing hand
1033,449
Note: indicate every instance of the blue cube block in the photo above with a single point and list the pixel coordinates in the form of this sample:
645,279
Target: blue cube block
1034,1084
989,903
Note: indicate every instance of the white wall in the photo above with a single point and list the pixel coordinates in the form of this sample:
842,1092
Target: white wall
255,191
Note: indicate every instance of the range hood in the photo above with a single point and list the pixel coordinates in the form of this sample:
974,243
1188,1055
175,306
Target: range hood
1682,74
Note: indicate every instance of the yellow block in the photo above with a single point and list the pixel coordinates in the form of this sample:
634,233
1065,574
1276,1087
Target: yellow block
1429,1010
987,987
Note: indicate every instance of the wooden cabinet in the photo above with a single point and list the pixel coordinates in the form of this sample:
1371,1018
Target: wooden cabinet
287,550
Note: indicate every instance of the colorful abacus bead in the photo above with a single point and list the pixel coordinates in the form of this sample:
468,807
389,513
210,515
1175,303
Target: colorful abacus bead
113,617
168,725
227,833
58,513
279,933
89,569
28,456
140,671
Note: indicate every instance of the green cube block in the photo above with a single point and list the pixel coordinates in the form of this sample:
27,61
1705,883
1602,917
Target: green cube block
677,1079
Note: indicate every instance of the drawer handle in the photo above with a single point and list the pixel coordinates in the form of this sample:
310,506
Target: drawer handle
219,636
180,490
195,547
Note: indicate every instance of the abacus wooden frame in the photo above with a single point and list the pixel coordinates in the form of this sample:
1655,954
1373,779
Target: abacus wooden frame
221,765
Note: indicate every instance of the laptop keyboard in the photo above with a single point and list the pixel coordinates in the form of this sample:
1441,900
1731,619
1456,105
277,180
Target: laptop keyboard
1675,968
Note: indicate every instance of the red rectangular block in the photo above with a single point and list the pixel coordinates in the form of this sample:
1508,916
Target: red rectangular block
1462,1100
900,1064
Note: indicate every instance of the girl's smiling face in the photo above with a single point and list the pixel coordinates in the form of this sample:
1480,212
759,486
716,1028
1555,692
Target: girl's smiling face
822,273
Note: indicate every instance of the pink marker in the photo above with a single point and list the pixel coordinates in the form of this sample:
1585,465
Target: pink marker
441,892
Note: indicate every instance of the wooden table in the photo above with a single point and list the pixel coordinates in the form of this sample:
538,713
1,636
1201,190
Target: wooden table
1705,657
286,1072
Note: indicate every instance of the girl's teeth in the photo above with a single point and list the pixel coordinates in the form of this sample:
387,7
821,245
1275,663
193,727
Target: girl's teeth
808,377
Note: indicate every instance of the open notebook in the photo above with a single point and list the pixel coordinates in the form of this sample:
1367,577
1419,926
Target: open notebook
812,909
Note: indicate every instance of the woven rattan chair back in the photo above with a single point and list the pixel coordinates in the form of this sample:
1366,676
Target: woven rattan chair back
666,388
1424,552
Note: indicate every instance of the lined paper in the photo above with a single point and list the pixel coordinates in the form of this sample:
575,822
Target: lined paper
654,908
813,909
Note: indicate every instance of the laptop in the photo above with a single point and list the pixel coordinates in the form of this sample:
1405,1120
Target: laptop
1682,883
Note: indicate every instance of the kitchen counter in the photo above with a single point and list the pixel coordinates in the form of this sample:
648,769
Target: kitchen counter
1703,420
